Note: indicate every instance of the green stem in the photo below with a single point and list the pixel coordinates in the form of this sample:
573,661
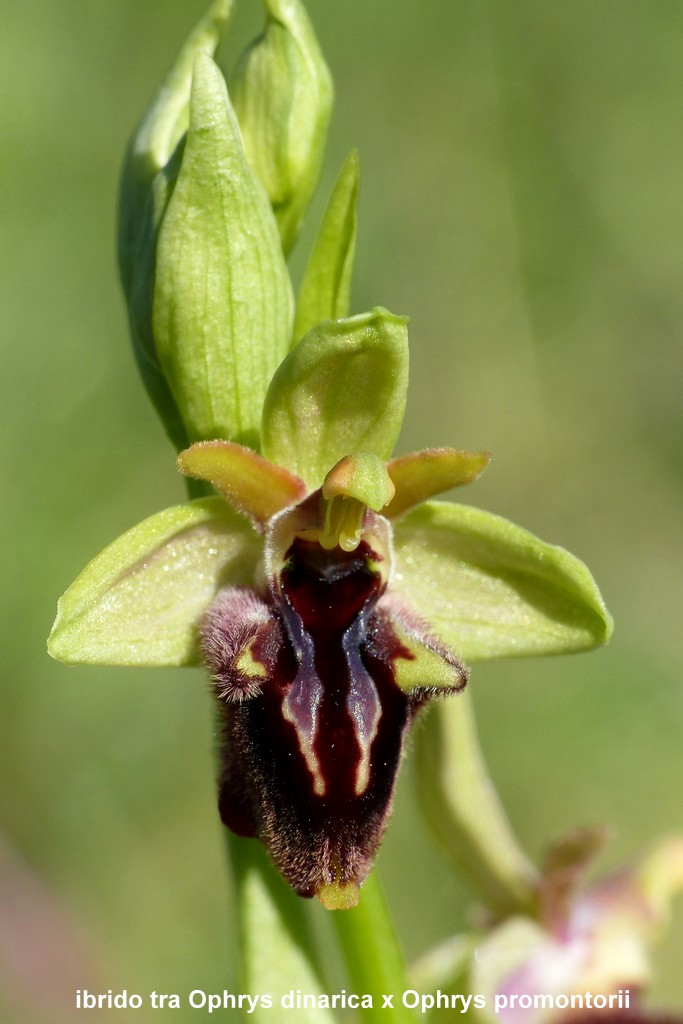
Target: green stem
372,955
464,810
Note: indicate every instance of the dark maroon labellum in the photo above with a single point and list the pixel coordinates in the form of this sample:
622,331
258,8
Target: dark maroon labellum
312,718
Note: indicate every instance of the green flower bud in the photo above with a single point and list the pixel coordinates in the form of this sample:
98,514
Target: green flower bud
282,94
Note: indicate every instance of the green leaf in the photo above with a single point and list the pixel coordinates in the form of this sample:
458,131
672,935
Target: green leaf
282,92
373,956
149,175
326,284
341,389
139,601
249,482
277,947
490,589
222,302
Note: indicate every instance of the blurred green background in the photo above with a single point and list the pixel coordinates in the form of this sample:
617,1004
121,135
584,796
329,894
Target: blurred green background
522,201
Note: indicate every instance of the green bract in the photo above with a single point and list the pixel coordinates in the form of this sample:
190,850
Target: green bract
222,300
157,137
266,908
149,175
326,285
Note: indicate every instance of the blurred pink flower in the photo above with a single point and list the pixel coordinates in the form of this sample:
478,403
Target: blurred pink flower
590,952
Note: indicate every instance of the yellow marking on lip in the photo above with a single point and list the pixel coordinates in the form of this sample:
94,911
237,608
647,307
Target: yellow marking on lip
247,664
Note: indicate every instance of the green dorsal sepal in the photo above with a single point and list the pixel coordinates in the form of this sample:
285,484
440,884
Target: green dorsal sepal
341,389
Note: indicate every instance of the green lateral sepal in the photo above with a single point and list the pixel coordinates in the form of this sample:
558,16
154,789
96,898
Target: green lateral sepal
140,600
490,589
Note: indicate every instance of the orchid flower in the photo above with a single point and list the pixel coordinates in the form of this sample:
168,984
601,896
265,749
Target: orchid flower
328,594
328,608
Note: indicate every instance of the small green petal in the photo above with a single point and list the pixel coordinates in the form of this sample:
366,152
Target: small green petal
421,475
490,589
222,303
282,94
139,601
249,482
341,389
149,175
326,284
